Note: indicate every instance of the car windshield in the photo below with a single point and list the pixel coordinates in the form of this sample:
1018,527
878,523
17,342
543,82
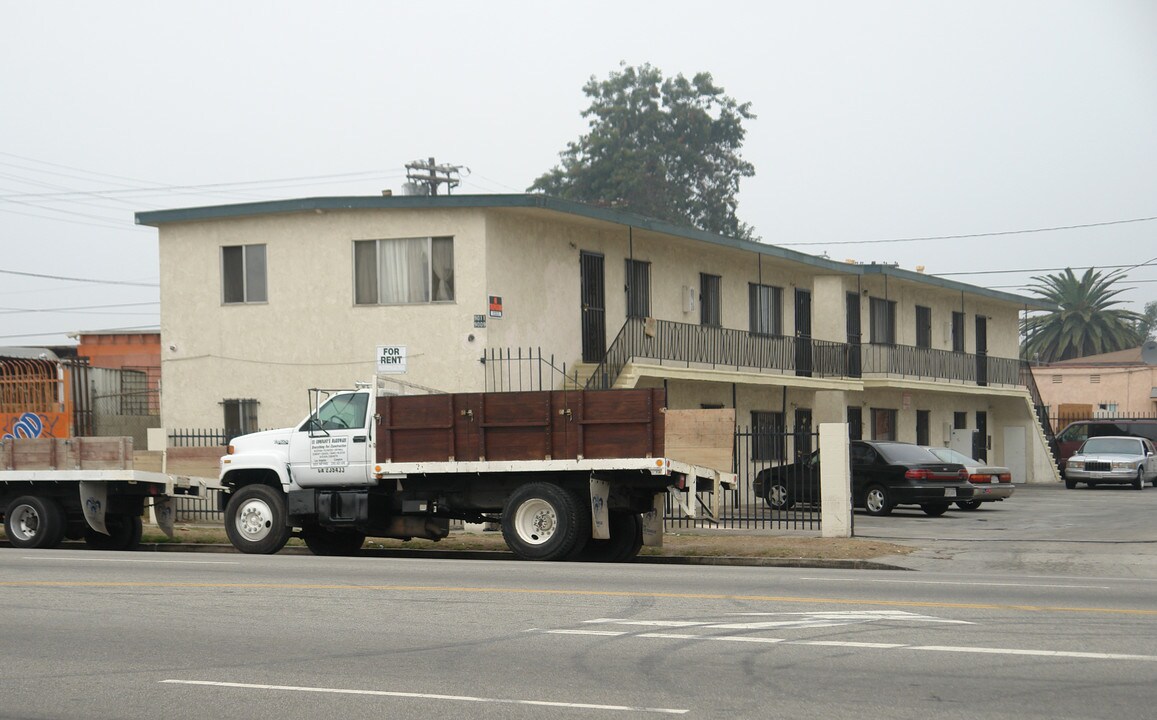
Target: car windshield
1111,446
901,453
952,456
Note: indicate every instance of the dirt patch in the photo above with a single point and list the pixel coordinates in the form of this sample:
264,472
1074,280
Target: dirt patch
674,544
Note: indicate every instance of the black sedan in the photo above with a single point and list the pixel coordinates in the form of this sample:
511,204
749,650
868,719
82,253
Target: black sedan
884,475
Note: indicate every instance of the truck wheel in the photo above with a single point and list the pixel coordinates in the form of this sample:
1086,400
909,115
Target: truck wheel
255,520
876,501
542,521
124,533
624,544
34,522
329,541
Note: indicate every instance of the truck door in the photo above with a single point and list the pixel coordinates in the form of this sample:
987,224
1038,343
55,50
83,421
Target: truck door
334,445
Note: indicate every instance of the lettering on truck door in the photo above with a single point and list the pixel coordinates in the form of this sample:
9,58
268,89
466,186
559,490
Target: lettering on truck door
333,447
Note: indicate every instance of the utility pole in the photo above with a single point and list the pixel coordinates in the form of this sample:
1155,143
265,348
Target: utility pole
432,175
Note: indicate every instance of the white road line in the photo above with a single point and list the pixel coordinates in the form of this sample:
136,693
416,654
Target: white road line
136,560
430,696
959,582
874,646
1038,653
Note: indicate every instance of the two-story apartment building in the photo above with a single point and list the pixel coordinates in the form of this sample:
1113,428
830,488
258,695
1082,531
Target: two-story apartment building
260,301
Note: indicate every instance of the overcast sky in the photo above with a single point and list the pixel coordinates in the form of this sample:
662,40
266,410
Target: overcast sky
878,123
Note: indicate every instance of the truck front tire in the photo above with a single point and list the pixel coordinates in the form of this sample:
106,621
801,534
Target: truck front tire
255,520
543,521
34,522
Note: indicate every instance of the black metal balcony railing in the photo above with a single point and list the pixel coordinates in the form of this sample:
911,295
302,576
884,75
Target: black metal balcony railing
716,348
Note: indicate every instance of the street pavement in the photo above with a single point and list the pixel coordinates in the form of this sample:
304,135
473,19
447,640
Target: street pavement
1042,530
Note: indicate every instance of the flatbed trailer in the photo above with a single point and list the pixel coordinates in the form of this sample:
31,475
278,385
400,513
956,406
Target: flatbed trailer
52,489
566,474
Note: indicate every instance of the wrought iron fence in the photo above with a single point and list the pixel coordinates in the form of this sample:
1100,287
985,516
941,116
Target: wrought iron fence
743,508
724,348
517,370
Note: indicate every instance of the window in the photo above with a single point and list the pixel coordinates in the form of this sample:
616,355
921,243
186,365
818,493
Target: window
710,300
883,424
883,321
243,274
765,306
767,435
923,326
957,332
403,271
960,421
638,288
240,417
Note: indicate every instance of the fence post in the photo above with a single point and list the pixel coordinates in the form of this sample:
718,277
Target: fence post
836,519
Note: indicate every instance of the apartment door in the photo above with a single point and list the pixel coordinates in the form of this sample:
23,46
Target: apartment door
981,350
803,333
855,334
594,316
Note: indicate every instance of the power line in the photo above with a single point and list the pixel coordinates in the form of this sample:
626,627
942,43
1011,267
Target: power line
1147,263
972,235
76,279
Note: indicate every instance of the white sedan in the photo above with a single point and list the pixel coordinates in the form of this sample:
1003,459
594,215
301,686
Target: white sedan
1113,460
992,482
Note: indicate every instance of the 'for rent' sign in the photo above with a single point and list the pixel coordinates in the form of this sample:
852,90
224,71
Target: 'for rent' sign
391,359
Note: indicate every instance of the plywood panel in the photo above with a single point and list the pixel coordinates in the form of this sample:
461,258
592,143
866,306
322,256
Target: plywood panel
702,437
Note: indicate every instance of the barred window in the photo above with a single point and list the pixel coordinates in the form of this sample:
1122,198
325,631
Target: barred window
240,417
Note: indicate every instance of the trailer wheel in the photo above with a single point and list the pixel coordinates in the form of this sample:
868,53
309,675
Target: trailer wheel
34,522
624,544
329,541
124,533
255,520
543,521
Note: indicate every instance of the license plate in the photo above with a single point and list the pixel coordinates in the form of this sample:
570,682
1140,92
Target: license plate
949,492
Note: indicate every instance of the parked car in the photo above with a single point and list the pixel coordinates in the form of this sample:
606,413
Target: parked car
1075,433
993,482
1113,460
884,475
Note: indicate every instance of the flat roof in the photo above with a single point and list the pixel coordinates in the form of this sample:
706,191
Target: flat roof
158,218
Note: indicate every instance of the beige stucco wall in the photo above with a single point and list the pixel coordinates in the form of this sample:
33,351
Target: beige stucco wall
309,333
1129,388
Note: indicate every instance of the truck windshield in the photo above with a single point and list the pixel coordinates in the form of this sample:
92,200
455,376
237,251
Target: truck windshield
340,412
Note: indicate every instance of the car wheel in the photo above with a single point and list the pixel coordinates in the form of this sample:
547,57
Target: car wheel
778,497
968,504
1070,484
876,501
1139,482
934,509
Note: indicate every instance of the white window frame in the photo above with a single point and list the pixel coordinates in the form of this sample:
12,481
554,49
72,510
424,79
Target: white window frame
254,274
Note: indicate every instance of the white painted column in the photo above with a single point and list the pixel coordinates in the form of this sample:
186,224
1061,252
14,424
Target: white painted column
835,481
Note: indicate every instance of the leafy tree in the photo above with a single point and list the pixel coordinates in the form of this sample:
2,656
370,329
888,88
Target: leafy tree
665,148
1085,323
1147,326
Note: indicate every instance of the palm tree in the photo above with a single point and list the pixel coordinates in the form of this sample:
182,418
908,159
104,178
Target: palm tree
1085,323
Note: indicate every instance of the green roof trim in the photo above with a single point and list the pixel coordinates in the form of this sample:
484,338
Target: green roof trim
158,218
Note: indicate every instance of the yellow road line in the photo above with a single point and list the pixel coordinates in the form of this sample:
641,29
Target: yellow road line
572,593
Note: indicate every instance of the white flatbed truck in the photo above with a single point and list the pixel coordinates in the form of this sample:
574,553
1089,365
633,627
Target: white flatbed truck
566,474
52,489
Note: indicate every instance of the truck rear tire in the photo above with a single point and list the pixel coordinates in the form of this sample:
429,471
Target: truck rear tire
329,541
624,544
542,521
255,520
34,522
124,533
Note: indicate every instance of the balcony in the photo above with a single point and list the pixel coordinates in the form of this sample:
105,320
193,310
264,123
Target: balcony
714,348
